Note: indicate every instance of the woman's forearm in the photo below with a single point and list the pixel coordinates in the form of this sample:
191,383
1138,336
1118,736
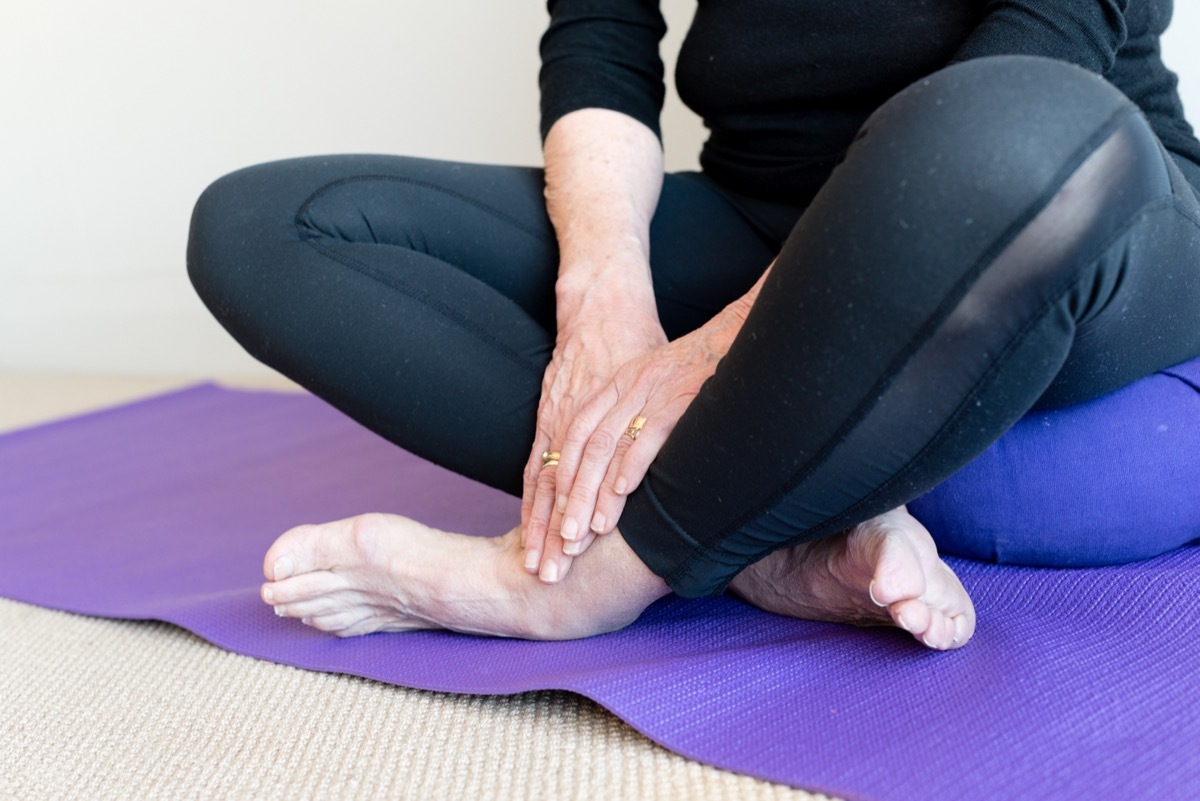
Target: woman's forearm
603,177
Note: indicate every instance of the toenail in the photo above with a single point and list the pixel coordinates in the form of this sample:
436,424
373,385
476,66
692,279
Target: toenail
900,621
280,611
306,621
569,529
550,571
871,592
928,644
283,568
267,594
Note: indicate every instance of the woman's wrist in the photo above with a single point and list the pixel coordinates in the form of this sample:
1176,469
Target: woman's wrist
594,292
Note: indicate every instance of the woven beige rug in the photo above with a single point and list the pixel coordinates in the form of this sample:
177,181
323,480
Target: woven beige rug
109,709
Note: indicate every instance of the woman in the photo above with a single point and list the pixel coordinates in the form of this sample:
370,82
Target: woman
915,223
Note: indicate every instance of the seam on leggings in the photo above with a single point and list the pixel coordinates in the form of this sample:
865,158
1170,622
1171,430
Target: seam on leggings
842,519
449,312
1186,212
484,207
984,380
951,299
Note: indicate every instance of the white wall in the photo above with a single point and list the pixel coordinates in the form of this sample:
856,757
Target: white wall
115,115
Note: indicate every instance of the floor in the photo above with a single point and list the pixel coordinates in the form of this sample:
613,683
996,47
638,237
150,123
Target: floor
112,709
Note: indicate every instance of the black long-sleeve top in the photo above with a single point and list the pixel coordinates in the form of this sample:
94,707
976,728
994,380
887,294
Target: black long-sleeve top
783,85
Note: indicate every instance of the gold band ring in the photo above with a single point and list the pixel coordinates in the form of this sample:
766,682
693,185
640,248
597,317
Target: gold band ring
635,427
549,458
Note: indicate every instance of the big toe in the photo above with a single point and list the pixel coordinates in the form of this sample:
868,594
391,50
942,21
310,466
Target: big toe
294,552
898,574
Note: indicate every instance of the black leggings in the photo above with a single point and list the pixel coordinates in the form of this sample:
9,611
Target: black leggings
1005,234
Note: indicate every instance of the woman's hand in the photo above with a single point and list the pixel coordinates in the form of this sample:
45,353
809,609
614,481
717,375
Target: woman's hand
612,440
603,176
586,357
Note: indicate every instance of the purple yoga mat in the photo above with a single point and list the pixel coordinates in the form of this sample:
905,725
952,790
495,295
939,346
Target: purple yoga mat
1078,684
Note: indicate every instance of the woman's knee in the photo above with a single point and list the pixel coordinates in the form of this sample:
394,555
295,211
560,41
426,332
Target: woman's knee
213,235
230,240
996,129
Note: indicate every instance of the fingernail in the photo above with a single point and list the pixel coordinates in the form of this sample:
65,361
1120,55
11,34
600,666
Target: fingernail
549,572
598,523
531,559
280,612
871,592
620,486
573,547
283,568
560,504
267,594
569,529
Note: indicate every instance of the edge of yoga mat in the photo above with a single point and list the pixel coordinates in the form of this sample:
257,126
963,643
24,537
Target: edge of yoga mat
331,657
714,646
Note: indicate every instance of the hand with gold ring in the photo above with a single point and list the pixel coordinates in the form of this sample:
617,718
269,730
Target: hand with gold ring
616,436
585,358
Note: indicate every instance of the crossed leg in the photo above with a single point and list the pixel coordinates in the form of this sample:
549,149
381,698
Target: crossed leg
380,572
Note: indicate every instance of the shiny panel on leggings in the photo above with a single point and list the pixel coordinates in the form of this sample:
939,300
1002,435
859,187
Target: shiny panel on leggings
1011,204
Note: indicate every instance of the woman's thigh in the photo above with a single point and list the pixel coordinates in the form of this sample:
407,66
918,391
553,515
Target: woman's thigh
418,296
411,294
1006,232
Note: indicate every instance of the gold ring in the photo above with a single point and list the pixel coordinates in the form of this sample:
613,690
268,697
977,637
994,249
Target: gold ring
549,458
635,427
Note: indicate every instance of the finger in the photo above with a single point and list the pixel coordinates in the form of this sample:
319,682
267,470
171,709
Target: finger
628,469
576,547
635,461
533,468
605,447
534,534
580,433
609,505
529,487
555,563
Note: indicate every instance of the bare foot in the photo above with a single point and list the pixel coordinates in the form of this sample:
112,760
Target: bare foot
380,572
885,571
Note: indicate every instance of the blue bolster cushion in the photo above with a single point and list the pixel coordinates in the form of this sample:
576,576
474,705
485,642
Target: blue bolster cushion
1113,480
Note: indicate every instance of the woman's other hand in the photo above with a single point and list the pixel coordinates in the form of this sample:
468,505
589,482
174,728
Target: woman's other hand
611,443
587,355
603,177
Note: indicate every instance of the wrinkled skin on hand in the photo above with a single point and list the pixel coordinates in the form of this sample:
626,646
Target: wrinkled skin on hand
600,464
587,355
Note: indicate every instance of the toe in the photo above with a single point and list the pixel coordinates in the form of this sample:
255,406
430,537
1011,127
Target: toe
304,587
304,549
940,634
339,623
964,629
898,575
290,554
321,606
912,615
